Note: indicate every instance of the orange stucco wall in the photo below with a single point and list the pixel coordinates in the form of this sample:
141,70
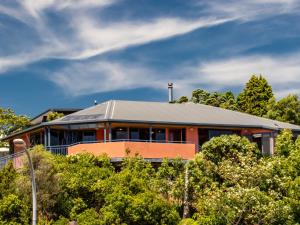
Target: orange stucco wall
144,149
100,135
192,135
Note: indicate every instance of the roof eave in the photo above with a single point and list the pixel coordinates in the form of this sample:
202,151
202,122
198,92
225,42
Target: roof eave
165,123
143,122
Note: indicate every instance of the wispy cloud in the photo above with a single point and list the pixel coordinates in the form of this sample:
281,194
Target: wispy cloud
283,72
99,38
95,77
247,10
84,35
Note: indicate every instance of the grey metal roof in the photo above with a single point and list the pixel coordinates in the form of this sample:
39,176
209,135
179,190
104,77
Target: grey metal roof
166,113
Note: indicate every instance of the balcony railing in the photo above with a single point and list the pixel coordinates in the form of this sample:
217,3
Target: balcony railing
16,158
63,149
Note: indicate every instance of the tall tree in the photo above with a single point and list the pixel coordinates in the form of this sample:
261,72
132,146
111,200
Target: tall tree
255,96
286,110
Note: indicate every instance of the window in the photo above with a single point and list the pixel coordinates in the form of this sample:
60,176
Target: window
158,134
203,136
88,136
217,133
57,137
177,135
119,133
206,134
36,139
73,137
144,134
134,134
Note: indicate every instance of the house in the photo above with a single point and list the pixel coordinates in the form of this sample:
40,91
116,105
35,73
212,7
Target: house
154,130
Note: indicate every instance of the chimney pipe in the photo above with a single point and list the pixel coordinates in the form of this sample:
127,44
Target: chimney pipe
170,88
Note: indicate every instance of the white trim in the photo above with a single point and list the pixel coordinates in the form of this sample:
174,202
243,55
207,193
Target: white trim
113,110
107,107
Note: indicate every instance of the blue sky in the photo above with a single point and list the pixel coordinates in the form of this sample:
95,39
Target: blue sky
67,53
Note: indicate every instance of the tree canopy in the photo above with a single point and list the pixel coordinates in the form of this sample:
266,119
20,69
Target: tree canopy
256,98
10,122
286,109
229,182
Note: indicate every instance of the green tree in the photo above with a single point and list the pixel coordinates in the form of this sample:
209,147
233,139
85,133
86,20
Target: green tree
228,147
130,197
170,180
229,101
80,175
10,122
7,178
215,99
284,143
54,115
255,97
224,100
286,109
47,179
200,96
13,211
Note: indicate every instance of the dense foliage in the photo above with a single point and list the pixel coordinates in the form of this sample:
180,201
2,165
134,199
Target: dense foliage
229,182
255,96
10,122
256,99
286,109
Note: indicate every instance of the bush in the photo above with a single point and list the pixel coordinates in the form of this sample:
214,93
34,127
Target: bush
13,210
228,147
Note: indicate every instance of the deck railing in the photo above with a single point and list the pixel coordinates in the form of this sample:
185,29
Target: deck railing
63,149
58,149
16,158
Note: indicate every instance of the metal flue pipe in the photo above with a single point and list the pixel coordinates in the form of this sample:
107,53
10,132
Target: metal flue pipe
171,96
